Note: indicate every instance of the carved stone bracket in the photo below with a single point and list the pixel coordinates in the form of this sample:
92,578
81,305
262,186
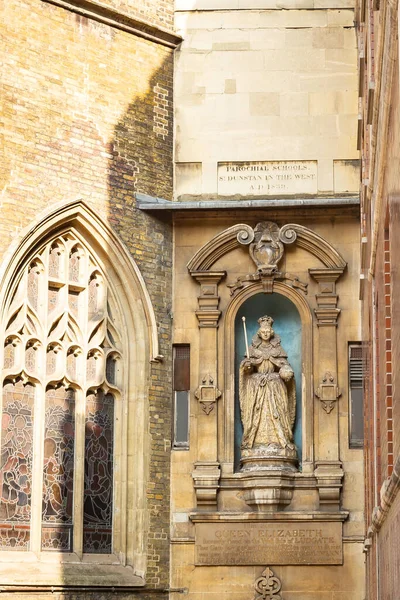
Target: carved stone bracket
207,394
268,491
268,586
329,476
328,392
206,483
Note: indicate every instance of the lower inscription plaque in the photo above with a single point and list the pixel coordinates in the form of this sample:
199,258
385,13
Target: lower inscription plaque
268,544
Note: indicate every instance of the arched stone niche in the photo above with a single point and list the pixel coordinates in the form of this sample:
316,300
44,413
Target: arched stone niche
292,322
216,468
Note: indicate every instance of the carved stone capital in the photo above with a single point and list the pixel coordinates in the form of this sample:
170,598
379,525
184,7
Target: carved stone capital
208,299
206,477
208,318
207,394
326,278
328,392
327,317
327,312
329,475
208,280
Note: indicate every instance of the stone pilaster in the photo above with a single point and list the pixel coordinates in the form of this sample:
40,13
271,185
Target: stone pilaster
206,471
329,471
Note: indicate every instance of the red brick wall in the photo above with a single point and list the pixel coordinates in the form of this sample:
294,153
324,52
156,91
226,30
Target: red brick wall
388,544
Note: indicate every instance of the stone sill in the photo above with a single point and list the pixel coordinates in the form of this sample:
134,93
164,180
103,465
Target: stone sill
20,572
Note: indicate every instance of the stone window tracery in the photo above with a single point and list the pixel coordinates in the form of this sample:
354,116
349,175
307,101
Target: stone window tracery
62,379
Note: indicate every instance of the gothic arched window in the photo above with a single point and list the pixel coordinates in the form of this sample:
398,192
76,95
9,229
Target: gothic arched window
62,381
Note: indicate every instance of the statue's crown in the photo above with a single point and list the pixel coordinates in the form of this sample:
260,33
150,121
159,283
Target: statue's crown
264,321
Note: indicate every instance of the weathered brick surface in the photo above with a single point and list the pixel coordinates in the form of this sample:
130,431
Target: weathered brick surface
388,543
157,12
87,113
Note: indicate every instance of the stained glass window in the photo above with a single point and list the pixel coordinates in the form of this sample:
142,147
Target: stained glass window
99,438
16,464
59,363
58,469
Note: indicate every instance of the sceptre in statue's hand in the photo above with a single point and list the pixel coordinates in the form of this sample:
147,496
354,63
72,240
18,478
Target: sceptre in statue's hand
245,337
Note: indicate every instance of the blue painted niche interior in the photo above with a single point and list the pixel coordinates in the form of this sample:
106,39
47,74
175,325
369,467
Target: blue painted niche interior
287,325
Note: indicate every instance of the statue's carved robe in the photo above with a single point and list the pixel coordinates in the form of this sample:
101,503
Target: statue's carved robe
267,403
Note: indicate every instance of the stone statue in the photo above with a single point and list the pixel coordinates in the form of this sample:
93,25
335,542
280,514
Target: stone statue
267,401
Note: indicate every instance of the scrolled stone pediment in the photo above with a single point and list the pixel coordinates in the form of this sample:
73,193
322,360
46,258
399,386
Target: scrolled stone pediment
244,235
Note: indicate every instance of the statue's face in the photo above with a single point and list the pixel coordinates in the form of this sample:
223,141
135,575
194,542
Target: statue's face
266,333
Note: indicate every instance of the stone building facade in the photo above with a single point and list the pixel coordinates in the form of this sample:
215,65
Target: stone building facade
379,145
142,219
266,149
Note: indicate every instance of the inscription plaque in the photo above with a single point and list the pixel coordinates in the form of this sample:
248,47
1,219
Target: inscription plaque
268,543
272,178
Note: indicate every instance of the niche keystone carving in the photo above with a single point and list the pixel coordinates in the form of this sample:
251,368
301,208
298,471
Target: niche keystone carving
266,250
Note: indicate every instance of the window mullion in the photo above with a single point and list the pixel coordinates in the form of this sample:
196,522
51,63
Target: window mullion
120,483
80,414
79,473
37,476
39,418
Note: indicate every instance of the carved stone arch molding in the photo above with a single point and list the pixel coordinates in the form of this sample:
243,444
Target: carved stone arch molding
139,342
321,423
84,219
243,235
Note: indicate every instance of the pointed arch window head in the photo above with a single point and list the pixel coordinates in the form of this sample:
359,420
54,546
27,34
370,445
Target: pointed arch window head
62,377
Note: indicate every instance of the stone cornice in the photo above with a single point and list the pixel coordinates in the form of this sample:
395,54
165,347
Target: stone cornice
119,20
298,516
150,203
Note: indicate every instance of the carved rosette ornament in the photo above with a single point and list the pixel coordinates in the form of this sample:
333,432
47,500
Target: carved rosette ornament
268,586
207,394
328,392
